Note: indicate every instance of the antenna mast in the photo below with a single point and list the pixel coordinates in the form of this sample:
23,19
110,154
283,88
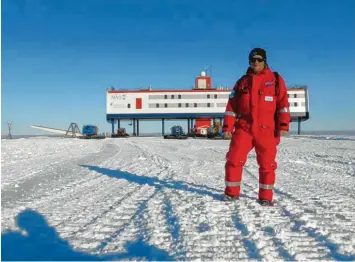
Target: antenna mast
209,71
9,124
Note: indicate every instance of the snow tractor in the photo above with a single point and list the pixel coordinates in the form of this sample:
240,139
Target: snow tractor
121,132
215,131
90,132
176,133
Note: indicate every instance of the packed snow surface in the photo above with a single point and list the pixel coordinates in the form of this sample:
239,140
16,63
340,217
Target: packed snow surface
155,199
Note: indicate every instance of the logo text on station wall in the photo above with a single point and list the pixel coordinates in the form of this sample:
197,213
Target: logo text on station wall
118,97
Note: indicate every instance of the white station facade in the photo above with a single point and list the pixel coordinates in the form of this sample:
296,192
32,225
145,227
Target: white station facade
201,102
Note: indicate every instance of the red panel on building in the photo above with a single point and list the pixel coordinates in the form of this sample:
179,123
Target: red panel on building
203,122
138,103
203,82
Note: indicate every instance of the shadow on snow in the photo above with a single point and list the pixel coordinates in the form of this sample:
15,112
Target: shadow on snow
157,183
41,242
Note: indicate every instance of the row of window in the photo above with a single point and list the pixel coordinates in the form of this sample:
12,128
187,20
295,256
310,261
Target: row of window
190,96
208,96
179,105
296,104
295,95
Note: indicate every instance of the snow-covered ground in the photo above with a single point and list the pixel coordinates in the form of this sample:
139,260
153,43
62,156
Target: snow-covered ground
156,199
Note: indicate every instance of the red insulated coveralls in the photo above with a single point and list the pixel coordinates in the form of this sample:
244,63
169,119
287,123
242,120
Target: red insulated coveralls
250,116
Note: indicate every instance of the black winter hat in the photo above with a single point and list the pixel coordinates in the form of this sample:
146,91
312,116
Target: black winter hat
257,51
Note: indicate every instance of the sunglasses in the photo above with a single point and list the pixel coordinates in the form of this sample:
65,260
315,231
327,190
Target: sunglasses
253,60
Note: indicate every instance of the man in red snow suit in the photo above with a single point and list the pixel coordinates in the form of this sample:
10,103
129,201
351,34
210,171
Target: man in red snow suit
256,115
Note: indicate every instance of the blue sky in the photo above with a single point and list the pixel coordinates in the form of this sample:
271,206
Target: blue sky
58,57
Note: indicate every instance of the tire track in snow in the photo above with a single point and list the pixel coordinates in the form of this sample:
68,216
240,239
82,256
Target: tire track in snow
79,215
119,219
200,248
253,220
127,205
330,212
160,230
207,225
50,199
314,245
220,247
320,158
248,217
134,210
141,228
75,212
317,237
124,216
306,175
202,175
51,178
171,204
324,158
174,227
206,228
173,167
69,223
298,244
32,156
154,224
123,213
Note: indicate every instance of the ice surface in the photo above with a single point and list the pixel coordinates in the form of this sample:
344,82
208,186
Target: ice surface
155,199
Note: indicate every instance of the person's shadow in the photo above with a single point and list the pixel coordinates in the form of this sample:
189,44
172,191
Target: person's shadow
41,242
158,183
202,190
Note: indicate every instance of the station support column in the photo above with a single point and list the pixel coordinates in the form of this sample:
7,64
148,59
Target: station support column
299,126
134,127
137,127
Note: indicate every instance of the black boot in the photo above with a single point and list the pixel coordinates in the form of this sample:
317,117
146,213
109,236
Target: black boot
264,202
